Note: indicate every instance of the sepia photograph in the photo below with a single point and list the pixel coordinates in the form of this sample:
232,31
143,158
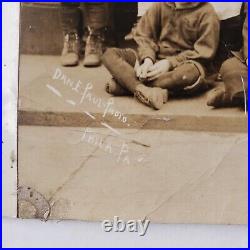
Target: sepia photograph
133,113
137,110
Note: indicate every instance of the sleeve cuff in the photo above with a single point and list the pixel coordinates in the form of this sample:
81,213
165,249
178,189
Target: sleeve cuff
173,62
150,55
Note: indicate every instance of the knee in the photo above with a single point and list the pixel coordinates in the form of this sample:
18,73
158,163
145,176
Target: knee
188,73
227,65
231,66
109,54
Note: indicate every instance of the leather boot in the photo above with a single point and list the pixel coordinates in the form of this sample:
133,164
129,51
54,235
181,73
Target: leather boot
94,48
113,88
234,90
152,97
70,52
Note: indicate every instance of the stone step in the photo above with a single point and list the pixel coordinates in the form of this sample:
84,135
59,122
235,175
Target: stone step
46,100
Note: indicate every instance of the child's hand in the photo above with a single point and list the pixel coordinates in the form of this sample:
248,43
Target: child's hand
143,69
158,69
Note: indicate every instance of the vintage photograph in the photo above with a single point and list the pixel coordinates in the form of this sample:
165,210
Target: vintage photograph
133,111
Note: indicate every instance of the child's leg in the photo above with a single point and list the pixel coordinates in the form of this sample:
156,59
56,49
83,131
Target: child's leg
234,73
120,63
114,88
70,16
178,79
233,92
96,21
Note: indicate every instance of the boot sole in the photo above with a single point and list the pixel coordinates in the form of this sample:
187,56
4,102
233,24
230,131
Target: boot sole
117,92
139,97
70,65
93,65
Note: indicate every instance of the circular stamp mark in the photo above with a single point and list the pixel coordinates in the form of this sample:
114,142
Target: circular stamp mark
36,199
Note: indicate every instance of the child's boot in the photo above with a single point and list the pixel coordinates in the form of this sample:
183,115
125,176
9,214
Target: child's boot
94,48
229,94
70,52
113,88
235,88
97,19
217,97
152,97
70,16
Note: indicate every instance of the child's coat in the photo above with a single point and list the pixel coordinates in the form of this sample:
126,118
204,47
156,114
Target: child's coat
178,34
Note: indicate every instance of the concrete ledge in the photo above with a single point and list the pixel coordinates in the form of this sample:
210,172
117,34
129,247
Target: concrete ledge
40,106
159,122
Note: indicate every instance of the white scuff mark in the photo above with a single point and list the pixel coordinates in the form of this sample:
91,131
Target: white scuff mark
166,119
140,159
71,102
110,128
245,95
54,90
145,122
91,116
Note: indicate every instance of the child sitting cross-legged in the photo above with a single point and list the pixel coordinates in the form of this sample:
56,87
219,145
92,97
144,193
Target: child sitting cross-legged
176,42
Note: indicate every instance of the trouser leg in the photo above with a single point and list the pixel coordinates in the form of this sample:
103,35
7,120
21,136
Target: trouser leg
234,89
178,79
96,15
120,63
70,16
96,18
234,74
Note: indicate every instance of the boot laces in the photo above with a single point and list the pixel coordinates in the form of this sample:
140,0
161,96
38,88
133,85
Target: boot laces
72,40
94,42
142,98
